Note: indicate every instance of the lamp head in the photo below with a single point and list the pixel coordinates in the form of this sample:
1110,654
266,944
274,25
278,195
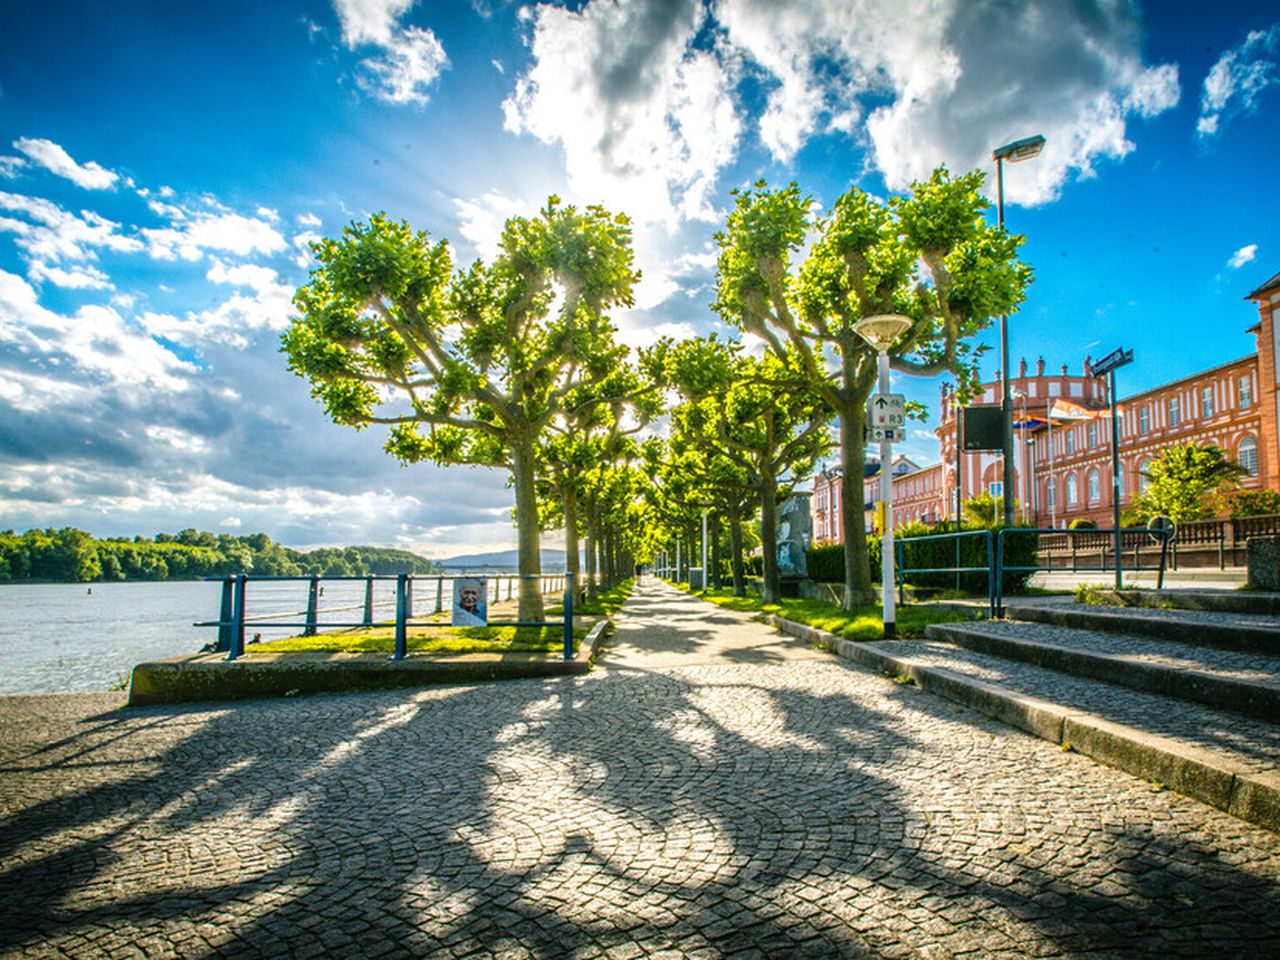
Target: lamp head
1019,150
882,330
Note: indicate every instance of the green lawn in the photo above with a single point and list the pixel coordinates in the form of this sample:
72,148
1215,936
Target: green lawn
864,623
442,640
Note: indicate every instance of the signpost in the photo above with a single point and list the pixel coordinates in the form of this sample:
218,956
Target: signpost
1106,367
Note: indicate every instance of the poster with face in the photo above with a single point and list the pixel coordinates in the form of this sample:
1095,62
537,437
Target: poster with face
469,595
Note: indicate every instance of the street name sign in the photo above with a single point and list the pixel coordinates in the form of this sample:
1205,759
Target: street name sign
1116,358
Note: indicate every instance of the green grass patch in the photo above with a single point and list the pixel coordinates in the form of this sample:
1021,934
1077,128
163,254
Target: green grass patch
603,604
438,640
864,623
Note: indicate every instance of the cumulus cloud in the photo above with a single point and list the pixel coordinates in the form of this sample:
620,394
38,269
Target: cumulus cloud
639,111
1243,256
1237,80
50,233
262,303
409,58
78,278
228,232
47,154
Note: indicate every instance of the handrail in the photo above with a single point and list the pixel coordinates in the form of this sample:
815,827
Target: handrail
902,569
232,618
1161,536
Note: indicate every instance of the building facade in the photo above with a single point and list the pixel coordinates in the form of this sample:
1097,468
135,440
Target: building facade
1064,469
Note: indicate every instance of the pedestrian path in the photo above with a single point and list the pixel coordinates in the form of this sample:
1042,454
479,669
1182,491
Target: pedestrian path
662,627
714,790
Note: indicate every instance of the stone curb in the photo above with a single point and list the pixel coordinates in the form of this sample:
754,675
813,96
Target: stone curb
1223,636
1223,693
1200,774
1211,601
182,680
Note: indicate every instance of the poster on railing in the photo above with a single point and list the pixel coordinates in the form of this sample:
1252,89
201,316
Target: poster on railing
469,595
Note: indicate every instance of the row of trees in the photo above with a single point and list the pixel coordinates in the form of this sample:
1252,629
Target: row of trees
516,363
72,555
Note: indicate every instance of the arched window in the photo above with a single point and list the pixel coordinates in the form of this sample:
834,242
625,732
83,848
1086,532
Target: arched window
1073,495
1144,481
1094,485
1051,494
1121,484
1247,455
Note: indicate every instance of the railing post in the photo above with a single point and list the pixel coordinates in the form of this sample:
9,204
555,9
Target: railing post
313,602
402,610
408,596
237,619
224,614
439,594
997,555
368,601
897,570
568,616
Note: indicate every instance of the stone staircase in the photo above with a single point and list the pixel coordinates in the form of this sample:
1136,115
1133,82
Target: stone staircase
1184,690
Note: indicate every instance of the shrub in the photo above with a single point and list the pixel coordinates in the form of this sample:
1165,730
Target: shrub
1255,503
1082,524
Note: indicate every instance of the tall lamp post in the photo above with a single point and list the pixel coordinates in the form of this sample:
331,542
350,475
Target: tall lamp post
1016,152
881,331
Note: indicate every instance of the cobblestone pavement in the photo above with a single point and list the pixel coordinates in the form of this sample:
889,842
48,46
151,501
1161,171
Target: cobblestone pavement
749,805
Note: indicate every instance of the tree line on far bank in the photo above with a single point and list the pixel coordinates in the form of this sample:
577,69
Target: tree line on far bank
70,555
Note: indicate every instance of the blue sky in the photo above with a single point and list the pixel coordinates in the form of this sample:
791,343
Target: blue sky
163,166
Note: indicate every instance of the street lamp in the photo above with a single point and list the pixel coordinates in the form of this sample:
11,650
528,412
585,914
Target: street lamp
1016,152
881,331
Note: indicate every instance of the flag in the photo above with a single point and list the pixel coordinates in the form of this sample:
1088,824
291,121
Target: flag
1060,409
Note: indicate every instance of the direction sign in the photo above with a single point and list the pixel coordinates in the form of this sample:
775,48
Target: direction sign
884,434
887,410
1116,358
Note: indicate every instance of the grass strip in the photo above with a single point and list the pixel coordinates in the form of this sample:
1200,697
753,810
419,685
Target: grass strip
428,640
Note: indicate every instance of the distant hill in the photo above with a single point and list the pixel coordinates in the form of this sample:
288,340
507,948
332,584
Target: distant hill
501,561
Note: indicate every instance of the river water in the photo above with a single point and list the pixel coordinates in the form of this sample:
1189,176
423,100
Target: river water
68,637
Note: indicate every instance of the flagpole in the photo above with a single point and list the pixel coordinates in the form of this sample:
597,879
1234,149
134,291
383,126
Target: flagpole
1053,480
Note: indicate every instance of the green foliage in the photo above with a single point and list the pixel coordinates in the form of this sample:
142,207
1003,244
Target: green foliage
1255,503
864,622
1080,523
825,562
71,555
1190,481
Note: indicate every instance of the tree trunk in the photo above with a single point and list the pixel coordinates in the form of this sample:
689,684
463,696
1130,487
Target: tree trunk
714,558
735,549
572,560
592,539
857,567
529,556
769,537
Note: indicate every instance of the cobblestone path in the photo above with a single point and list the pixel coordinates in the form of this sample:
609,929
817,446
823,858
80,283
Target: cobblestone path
727,793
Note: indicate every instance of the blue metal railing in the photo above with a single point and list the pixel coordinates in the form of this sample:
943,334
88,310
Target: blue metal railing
901,569
233,620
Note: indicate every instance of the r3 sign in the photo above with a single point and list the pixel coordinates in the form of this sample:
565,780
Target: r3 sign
887,410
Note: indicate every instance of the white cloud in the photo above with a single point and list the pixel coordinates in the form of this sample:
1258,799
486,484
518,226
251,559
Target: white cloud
652,121
267,306
94,341
51,233
308,220
302,245
410,57
81,278
55,159
481,221
9,166
228,232
1243,256
966,77
1235,82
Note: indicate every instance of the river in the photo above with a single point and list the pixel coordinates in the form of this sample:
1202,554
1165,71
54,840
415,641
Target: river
59,637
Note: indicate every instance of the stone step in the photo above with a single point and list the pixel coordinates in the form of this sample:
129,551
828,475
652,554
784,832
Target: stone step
1225,760
1217,601
1241,682
1228,631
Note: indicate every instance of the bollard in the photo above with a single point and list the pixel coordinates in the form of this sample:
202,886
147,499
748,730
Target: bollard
402,607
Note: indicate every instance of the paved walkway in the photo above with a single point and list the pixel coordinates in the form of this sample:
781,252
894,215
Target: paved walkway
713,790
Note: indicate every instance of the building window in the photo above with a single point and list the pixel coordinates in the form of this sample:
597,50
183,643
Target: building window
1093,433
1071,440
1120,486
1073,495
1094,486
1206,402
1144,420
1245,387
1175,411
1051,494
1144,480
1247,455
996,488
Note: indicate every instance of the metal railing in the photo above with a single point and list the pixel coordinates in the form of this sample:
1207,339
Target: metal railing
901,569
233,619
1106,542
